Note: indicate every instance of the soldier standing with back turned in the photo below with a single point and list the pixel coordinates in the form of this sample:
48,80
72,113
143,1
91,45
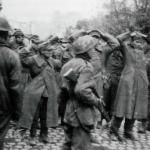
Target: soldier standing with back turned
80,114
9,82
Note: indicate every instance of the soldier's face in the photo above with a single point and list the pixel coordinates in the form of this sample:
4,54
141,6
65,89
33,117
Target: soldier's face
19,39
65,45
139,44
46,54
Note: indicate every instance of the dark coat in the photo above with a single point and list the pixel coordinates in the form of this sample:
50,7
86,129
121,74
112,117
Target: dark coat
111,65
112,56
43,78
9,84
79,97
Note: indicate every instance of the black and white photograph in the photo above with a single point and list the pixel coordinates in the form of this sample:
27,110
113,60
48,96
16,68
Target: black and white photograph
74,74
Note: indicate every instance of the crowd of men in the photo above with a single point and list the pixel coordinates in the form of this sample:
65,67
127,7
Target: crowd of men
80,80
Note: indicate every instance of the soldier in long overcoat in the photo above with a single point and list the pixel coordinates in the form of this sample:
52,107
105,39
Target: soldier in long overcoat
145,123
131,100
40,97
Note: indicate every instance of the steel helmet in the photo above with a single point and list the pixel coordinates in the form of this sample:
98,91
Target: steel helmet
4,25
84,44
76,34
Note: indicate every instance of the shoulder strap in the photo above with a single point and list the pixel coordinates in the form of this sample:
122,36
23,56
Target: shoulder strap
49,64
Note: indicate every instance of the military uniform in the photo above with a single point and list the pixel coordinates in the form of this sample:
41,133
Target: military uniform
18,47
145,123
148,73
80,114
40,97
9,83
131,99
14,44
109,61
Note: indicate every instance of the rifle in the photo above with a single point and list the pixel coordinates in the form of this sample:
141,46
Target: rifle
101,108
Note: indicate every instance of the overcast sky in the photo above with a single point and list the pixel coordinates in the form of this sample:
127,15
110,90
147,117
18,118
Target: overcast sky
55,12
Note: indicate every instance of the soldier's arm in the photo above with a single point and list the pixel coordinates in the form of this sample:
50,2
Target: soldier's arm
110,40
122,37
84,86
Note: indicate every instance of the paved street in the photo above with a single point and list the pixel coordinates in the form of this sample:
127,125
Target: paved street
14,141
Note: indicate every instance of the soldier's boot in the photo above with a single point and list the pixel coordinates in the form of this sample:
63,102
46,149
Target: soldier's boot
114,129
148,123
128,126
33,132
148,126
129,135
95,138
44,136
1,144
32,141
142,127
99,124
62,121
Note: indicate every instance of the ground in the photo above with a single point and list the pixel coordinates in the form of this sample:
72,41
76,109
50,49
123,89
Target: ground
15,141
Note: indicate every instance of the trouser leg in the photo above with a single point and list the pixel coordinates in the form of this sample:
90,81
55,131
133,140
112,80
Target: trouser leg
113,92
61,111
148,120
81,140
128,126
43,117
68,132
107,98
110,95
142,125
116,123
35,122
3,131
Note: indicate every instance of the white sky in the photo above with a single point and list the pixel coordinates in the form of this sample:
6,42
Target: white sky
54,13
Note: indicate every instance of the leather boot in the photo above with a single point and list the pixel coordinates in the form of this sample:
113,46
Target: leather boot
130,136
114,128
33,132
99,124
142,127
128,126
32,141
44,136
148,126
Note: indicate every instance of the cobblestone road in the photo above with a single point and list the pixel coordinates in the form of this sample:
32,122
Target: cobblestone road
14,141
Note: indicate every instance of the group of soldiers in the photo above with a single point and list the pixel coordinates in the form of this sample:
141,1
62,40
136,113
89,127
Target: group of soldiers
80,80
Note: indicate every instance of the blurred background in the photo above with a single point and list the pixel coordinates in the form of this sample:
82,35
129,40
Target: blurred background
60,17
